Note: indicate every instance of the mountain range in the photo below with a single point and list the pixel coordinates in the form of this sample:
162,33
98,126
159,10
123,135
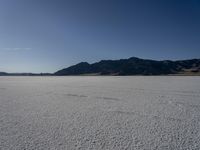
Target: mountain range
131,66
134,66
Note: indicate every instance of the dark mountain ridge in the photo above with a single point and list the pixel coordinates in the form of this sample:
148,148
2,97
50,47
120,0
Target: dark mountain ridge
131,66
134,66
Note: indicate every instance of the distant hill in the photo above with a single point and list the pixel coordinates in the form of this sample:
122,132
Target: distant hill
24,74
134,66
3,73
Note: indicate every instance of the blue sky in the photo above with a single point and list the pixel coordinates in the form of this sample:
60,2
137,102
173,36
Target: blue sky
47,35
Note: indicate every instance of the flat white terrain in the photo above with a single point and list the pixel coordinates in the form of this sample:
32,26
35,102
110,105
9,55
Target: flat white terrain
114,113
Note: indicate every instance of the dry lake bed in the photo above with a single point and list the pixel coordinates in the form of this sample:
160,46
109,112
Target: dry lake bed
111,113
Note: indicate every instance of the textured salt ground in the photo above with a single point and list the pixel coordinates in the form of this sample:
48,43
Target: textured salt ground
57,113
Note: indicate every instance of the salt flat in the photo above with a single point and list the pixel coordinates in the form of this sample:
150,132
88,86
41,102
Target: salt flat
114,113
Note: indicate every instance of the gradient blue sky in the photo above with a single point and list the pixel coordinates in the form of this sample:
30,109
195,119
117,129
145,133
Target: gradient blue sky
47,35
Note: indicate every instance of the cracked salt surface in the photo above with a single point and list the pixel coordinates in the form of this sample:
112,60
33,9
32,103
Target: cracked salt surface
58,113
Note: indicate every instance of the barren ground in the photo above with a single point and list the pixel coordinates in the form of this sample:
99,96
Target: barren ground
114,113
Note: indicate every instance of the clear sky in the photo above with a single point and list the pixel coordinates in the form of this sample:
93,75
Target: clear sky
47,35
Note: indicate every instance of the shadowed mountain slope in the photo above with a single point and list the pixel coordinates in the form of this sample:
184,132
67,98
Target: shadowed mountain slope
134,66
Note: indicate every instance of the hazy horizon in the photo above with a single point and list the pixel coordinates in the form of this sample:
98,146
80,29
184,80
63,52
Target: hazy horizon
45,36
